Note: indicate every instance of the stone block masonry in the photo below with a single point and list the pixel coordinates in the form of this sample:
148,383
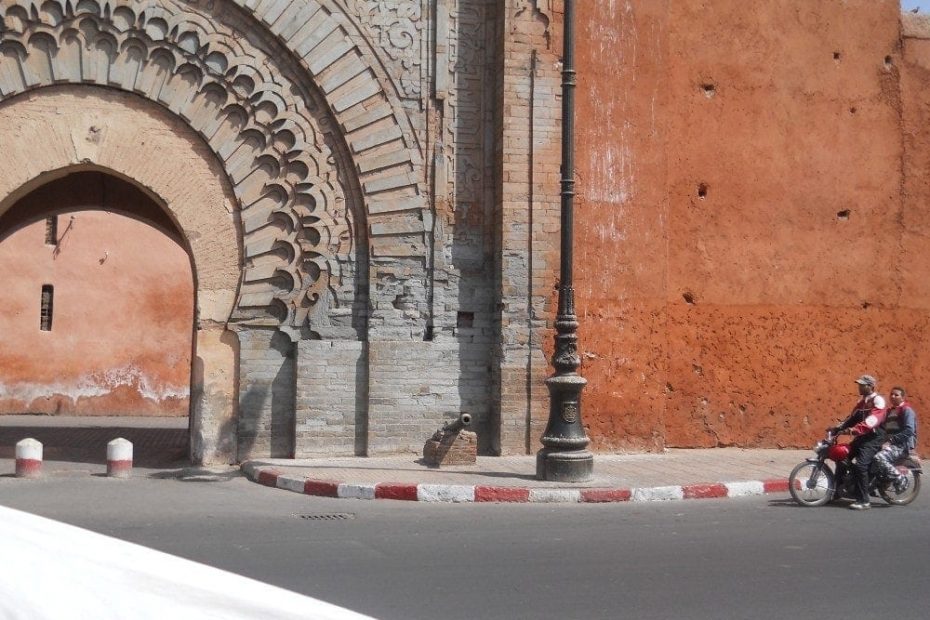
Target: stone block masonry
414,386
267,364
332,398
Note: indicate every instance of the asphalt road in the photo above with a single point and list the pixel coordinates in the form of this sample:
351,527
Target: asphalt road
758,558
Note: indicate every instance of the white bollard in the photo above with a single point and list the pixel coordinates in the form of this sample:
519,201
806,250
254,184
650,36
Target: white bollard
119,458
29,458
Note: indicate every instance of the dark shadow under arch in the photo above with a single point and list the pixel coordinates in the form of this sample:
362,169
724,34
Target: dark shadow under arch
89,190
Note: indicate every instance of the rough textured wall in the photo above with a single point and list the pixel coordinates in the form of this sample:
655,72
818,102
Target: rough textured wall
913,281
784,204
96,360
621,220
785,243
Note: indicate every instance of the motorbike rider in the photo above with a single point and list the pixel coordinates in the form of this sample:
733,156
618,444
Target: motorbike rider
900,437
866,417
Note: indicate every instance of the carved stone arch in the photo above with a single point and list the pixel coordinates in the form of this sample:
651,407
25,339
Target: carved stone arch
384,146
229,92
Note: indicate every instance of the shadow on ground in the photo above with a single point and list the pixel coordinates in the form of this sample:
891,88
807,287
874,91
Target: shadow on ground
152,447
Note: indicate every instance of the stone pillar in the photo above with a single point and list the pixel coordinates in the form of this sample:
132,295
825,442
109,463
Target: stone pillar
527,220
267,394
213,397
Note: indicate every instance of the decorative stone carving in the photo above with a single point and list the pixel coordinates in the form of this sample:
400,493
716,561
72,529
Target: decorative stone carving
297,231
294,225
396,27
382,142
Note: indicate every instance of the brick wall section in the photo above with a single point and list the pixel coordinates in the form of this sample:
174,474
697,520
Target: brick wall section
528,218
332,398
266,394
414,387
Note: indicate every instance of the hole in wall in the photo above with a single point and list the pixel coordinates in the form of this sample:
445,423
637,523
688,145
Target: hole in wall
853,110
51,230
45,311
465,319
688,297
842,215
702,191
837,56
888,61
708,89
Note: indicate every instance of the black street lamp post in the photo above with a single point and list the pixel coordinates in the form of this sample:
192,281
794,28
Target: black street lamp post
563,457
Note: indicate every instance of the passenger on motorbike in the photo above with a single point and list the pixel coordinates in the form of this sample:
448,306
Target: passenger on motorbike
900,437
866,417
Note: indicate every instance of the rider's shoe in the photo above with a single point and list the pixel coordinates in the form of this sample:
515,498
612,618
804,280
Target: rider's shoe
901,484
860,506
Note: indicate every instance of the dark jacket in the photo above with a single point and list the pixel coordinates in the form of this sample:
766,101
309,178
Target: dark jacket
901,426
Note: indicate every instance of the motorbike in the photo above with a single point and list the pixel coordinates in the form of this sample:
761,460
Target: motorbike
813,482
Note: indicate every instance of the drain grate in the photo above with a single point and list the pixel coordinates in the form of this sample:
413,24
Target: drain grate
333,516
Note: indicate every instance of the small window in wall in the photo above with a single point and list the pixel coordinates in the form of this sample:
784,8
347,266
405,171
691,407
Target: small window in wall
45,317
51,230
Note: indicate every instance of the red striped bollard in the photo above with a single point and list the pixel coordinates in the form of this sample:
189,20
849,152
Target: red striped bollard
28,458
119,458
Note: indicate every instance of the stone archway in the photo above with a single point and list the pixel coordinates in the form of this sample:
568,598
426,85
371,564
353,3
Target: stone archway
98,129
267,116
322,169
76,293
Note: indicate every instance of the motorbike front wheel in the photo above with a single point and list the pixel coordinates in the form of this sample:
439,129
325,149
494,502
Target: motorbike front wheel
811,484
909,495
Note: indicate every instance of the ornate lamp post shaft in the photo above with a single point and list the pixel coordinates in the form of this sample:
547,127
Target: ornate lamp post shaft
563,457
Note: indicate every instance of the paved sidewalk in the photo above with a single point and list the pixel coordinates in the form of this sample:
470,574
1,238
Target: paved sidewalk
77,446
674,474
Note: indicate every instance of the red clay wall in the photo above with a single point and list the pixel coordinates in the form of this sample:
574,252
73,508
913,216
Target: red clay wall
745,246
120,341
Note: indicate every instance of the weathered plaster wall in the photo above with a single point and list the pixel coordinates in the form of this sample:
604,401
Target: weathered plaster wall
621,220
785,259
96,360
912,278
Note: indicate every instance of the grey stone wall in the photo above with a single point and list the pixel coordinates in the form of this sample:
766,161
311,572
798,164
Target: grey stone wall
267,397
332,398
414,387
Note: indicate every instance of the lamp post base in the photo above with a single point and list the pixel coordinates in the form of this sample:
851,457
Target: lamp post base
564,466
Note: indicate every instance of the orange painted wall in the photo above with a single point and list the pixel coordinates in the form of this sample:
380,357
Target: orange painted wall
120,341
748,237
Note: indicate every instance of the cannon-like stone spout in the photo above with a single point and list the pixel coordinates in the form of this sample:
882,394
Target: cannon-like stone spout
459,423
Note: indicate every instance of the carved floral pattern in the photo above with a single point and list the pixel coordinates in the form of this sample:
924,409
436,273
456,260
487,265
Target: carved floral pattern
396,26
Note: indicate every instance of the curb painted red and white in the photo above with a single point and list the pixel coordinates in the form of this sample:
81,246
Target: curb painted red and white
457,493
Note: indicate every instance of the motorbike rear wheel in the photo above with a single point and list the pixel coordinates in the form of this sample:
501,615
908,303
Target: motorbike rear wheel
811,484
909,495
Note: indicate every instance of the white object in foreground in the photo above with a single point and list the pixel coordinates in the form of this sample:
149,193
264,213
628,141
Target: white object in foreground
51,570
119,458
28,458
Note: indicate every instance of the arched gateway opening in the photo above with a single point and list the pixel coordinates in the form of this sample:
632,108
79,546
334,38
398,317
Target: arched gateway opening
168,180
88,258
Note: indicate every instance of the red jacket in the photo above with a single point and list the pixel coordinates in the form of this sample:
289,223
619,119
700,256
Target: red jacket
867,415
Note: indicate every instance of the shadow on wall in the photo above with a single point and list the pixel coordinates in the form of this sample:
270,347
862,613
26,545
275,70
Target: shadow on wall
361,402
267,408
